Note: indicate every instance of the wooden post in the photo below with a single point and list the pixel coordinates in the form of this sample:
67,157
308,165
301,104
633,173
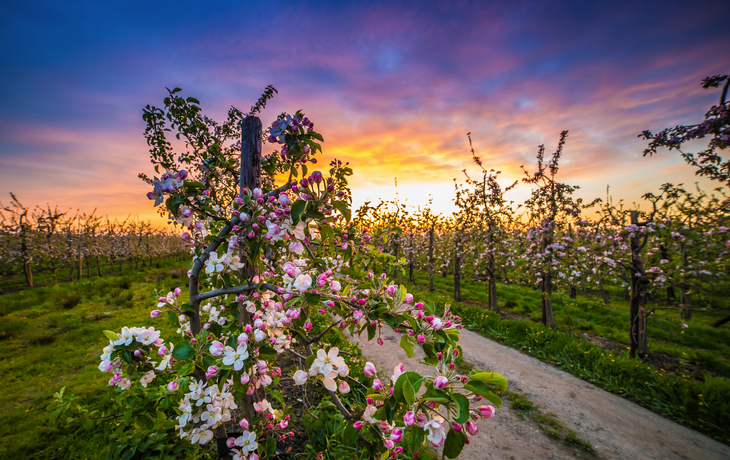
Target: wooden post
250,178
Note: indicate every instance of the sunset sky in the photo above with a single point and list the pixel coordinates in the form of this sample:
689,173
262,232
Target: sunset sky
393,86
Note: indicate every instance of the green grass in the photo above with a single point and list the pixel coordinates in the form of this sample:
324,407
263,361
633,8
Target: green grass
51,337
547,422
700,344
15,281
702,404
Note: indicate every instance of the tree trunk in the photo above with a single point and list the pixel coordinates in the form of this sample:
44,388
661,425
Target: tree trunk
720,322
639,284
547,291
81,257
457,274
687,305
606,300
411,278
547,302
430,260
573,292
492,282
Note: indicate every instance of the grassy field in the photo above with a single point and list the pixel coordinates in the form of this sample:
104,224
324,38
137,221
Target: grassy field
685,381
51,337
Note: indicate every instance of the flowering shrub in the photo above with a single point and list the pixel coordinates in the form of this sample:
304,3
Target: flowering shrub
267,261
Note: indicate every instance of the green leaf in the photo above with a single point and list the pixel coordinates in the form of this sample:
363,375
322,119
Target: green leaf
437,395
381,413
310,359
455,441
490,378
402,291
413,378
407,345
304,170
267,351
349,437
314,214
111,335
414,438
371,332
462,403
226,280
193,184
186,369
193,100
316,135
313,299
183,350
54,415
296,210
187,307
409,394
483,390
344,209
270,447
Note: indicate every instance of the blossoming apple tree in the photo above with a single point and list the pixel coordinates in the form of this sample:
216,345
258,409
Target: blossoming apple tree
268,260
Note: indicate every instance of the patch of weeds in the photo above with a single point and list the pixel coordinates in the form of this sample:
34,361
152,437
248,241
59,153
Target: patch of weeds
519,401
465,366
70,300
572,439
547,423
44,339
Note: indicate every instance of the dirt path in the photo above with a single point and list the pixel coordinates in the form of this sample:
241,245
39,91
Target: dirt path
615,427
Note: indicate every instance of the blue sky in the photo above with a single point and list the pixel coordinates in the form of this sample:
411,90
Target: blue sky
393,86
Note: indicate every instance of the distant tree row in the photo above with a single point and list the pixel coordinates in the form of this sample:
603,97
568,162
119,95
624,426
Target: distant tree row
677,250
49,240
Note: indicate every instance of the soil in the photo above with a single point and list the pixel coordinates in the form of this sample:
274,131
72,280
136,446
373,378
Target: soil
614,427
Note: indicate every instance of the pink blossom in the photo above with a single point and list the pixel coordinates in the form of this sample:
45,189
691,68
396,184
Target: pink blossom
441,382
369,369
216,348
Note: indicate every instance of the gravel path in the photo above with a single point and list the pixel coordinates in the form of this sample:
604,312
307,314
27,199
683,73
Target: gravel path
615,427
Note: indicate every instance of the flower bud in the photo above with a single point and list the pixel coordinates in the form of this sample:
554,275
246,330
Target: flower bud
377,385
409,419
440,382
472,428
487,411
